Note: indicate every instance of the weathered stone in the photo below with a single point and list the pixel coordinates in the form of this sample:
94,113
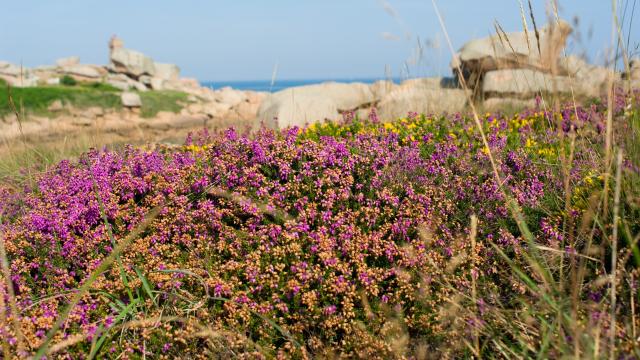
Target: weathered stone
131,62
68,61
25,81
255,97
281,112
157,83
513,50
421,99
93,112
82,71
12,70
523,83
145,79
382,88
498,104
167,71
123,82
246,110
53,81
343,96
216,109
516,50
56,106
131,100
230,96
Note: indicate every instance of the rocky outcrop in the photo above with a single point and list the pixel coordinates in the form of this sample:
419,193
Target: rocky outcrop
167,71
300,106
131,100
523,83
130,62
520,65
428,96
516,50
277,113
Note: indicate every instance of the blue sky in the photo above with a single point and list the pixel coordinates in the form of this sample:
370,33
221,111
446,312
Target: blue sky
308,39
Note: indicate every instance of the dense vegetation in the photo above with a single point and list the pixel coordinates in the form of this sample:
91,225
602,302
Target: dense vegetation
408,238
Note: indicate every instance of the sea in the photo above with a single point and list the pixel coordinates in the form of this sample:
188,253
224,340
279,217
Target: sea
277,85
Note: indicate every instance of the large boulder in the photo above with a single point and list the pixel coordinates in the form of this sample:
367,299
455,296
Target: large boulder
345,96
421,96
381,88
131,62
523,83
515,50
277,112
124,83
230,96
167,71
9,69
587,79
24,81
301,105
131,100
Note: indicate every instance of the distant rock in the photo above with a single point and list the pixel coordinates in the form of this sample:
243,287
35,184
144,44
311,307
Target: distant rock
167,71
9,69
68,61
280,112
421,96
131,62
53,81
497,104
56,106
230,96
516,50
245,111
88,72
123,82
382,88
157,83
523,83
215,109
344,96
301,105
23,81
131,100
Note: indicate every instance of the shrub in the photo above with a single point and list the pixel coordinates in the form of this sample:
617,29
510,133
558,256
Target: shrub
67,80
354,239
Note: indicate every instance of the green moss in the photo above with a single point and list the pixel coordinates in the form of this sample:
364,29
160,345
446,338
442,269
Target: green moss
166,100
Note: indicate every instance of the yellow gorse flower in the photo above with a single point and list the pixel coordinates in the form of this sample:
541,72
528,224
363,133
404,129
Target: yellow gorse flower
196,148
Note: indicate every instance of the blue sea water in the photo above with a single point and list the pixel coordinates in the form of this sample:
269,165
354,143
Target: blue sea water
266,85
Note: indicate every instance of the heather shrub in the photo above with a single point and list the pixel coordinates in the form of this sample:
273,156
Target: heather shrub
359,238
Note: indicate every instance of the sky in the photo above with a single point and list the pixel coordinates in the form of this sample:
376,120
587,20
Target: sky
223,40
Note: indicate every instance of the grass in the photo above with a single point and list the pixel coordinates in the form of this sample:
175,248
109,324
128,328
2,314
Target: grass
36,100
165,100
